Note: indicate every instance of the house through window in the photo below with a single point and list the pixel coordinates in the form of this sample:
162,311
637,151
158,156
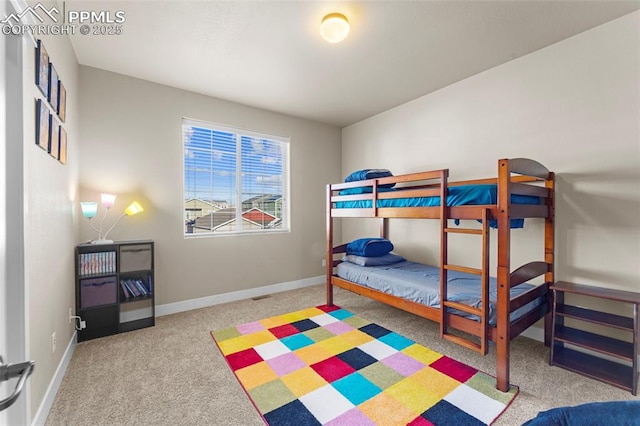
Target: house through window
235,181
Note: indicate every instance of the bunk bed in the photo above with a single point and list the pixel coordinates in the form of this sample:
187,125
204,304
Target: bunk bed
504,306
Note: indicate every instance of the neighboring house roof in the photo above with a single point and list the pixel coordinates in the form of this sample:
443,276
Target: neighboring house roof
266,198
258,216
215,220
198,201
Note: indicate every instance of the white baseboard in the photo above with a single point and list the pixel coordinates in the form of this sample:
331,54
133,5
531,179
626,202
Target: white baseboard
203,302
535,333
43,411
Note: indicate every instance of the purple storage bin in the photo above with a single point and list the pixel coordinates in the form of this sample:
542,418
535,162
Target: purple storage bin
98,291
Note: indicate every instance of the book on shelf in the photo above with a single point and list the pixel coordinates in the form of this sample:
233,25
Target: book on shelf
125,291
125,284
134,290
141,287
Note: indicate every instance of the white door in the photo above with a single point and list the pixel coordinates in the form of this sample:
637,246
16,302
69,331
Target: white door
12,285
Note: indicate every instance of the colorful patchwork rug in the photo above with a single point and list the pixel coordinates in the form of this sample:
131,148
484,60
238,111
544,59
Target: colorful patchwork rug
327,366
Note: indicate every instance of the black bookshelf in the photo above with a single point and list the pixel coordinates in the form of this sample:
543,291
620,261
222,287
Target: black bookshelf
115,287
610,360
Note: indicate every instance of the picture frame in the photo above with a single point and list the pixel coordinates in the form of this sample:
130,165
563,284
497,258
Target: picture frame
62,152
54,140
53,87
42,69
43,122
62,101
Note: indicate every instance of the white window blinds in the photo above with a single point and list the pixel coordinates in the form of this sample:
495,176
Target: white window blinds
235,181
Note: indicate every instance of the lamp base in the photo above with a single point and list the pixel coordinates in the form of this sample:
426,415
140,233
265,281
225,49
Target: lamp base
102,242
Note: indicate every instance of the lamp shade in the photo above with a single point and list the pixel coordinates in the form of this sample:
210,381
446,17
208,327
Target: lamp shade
334,27
89,209
134,208
108,200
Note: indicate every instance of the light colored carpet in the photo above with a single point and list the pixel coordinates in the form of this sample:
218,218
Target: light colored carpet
173,374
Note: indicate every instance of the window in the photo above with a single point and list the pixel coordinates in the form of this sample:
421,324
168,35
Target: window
235,181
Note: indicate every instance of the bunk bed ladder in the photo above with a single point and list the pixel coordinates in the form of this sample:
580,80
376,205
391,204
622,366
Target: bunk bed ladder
446,304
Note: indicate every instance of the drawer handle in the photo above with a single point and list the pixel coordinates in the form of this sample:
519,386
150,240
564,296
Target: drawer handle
100,284
135,250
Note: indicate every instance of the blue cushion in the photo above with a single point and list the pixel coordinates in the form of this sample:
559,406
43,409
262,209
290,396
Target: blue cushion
618,413
387,259
365,174
369,247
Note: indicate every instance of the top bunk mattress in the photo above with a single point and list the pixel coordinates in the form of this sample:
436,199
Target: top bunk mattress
421,284
462,195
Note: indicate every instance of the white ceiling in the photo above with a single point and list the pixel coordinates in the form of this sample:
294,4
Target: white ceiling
269,54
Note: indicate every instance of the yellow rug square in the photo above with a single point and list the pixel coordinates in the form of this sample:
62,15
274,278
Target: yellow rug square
356,337
256,375
309,313
260,337
413,395
312,354
335,345
381,408
275,321
422,354
234,345
303,381
439,385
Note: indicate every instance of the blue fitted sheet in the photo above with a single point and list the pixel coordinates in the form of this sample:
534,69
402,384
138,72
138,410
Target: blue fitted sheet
421,283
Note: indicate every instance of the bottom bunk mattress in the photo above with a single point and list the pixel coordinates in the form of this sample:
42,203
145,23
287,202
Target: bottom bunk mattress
421,284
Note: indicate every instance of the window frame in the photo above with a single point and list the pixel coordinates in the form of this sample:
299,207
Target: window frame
239,133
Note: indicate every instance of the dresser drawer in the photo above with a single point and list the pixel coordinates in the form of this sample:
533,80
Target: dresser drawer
98,291
136,257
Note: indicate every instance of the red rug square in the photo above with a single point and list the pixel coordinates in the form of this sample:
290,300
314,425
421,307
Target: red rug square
332,369
243,359
328,309
454,369
284,331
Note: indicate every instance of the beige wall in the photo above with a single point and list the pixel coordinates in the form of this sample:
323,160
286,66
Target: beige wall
50,222
132,146
573,106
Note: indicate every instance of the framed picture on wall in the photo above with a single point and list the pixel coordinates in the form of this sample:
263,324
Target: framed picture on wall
42,69
62,101
54,141
53,87
62,152
43,122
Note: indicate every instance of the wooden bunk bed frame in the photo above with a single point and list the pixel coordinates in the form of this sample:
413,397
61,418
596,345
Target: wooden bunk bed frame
515,176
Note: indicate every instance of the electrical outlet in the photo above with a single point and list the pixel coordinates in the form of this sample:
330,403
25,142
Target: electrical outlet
53,342
324,262
70,315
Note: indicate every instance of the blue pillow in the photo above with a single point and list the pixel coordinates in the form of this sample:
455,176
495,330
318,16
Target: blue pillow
369,247
365,174
387,259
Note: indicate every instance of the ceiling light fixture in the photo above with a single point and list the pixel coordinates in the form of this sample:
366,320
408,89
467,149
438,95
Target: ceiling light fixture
334,27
